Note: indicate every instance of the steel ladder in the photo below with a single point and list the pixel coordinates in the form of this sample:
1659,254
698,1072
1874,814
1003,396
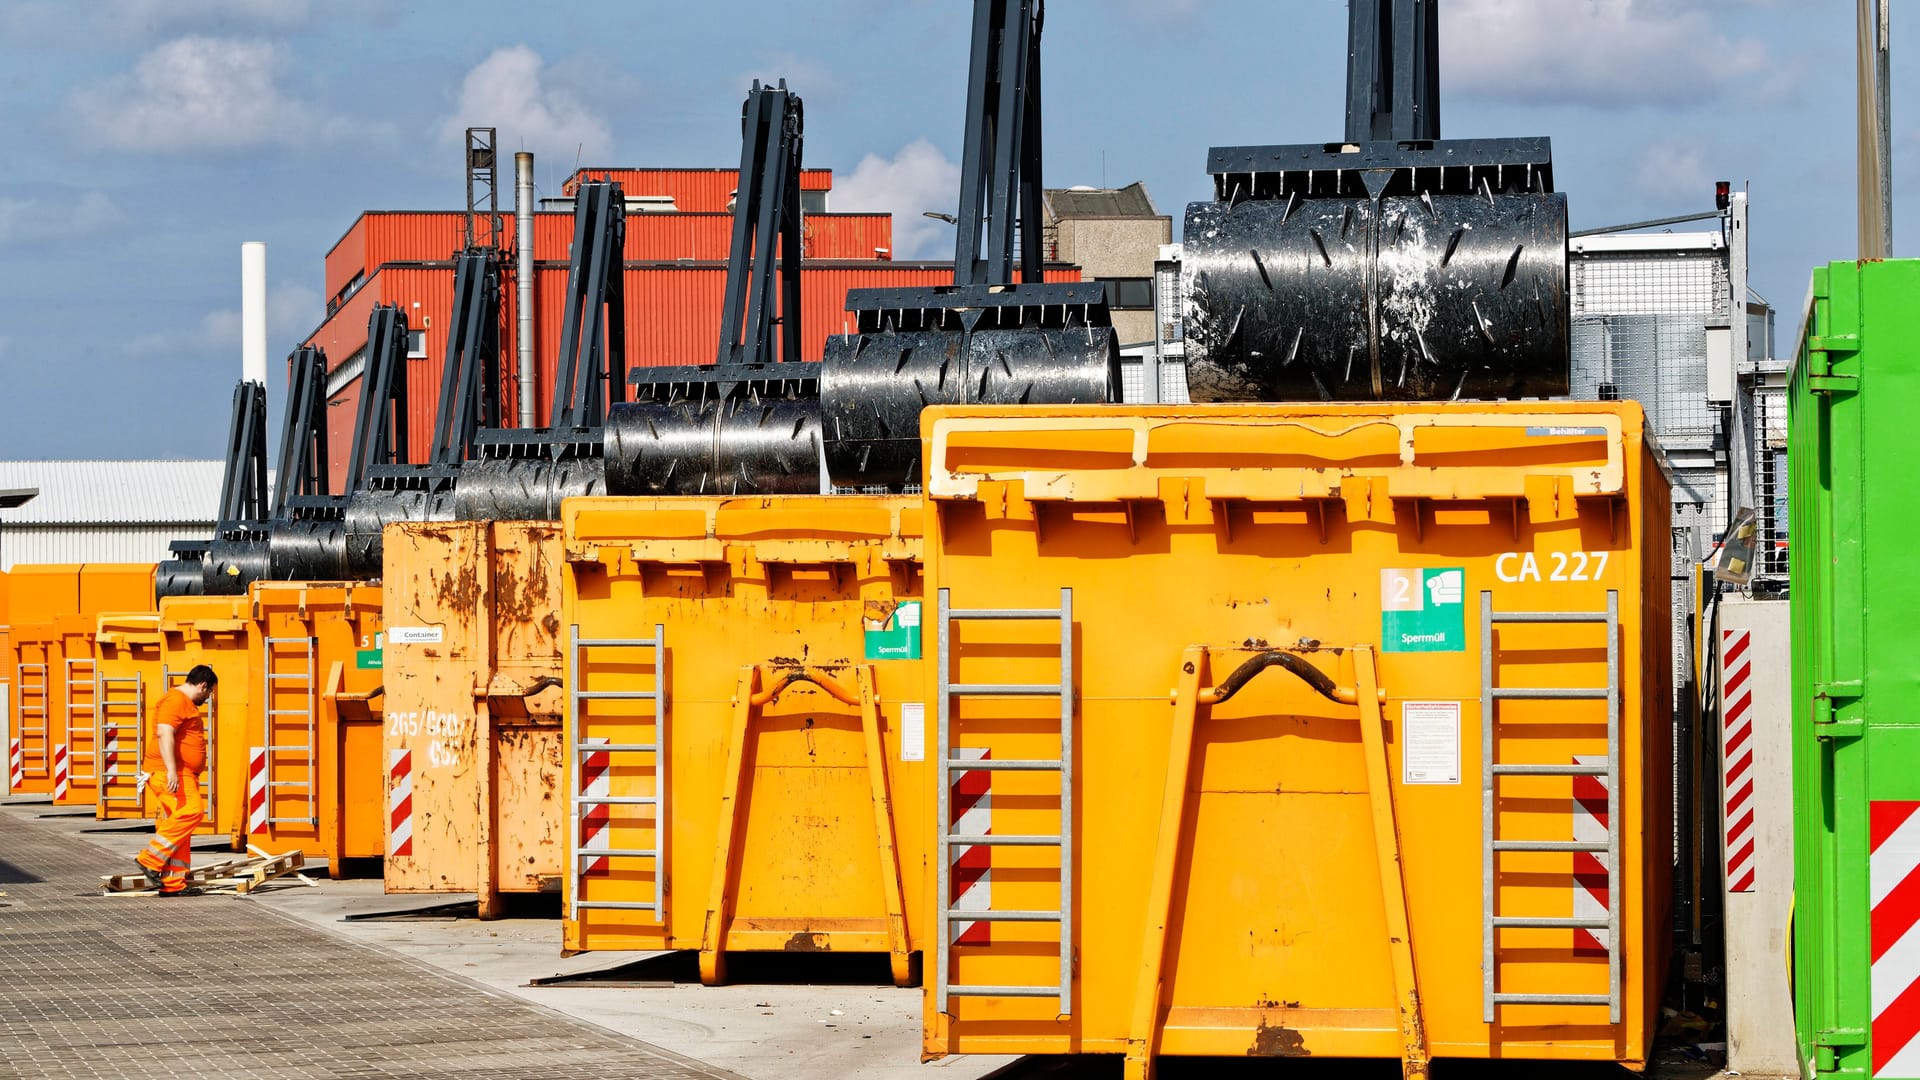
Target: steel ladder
952,766
83,717
305,683
27,713
1491,770
653,756
119,695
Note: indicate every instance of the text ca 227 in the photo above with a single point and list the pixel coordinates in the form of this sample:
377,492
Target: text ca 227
1550,566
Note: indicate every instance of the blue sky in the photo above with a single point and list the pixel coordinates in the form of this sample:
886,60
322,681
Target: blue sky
145,139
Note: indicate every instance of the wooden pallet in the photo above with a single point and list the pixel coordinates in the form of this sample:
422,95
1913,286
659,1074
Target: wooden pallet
240,876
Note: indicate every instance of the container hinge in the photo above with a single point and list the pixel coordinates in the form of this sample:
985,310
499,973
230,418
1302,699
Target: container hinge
1840,1038
1834,343
1833,384
1827,697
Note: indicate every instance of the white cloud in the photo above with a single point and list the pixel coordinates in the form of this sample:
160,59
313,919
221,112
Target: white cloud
292,313
505,91
201,93
62,217
1673,169
1603,53
917,179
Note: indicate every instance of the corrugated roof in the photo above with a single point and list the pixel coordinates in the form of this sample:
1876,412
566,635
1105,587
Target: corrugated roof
1131,201
113,492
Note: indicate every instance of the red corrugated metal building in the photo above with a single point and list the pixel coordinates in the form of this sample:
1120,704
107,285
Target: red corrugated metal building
692,190
675,287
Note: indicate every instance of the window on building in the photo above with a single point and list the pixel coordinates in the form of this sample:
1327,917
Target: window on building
1609,391
416,344
1129,294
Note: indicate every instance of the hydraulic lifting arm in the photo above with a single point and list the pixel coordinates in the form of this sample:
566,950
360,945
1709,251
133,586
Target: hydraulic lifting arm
470,381
380,428
766,233
303,434
243,487
592,371
1000,167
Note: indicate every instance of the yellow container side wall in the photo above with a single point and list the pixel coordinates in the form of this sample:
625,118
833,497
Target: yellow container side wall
772,583
36,704
216,631
39,593
321,757
129,666
76,719
1299,527
106,587
473,706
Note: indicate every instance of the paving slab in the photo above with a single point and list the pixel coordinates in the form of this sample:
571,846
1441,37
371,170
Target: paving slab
848,1023
104,986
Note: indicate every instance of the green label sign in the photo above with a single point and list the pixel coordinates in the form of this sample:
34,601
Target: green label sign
367,659
898,638
1423,610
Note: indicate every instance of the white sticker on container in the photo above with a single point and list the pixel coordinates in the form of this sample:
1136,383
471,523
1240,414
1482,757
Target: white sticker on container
913,731
1430,742
414,635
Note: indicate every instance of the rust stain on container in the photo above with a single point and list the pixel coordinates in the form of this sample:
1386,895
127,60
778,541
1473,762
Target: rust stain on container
806,942
1278,1040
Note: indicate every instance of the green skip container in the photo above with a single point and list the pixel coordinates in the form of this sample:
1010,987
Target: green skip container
1853,450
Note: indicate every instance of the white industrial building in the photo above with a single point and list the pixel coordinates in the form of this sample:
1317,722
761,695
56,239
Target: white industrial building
105,511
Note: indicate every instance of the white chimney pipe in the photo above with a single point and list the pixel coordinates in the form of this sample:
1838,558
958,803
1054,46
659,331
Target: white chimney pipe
253,312
523,278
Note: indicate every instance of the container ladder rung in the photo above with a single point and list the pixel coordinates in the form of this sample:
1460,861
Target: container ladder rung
1007,765
1552,999
1493,845
962,990
951,766
654,769
1534,769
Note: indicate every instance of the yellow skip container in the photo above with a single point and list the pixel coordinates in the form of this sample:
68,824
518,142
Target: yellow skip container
1366,746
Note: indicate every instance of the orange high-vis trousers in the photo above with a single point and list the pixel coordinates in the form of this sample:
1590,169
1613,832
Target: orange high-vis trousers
171,852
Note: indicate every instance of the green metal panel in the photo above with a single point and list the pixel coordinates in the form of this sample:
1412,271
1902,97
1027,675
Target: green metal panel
1854,421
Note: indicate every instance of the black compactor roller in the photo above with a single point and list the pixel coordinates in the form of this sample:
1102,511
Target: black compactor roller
1393,266
718,429
986,339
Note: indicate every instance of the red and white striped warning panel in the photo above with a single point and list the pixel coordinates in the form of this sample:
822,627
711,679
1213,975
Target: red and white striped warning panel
1736,752
400,802
59,771
595,818
256,790
1590,867
16,765
1893,880
109,756
972,870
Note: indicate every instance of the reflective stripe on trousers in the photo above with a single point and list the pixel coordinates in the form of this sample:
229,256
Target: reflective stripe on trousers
170,853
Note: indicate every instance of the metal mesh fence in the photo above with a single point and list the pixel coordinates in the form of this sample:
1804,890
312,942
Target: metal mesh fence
1173,381
1639,333
1684,282
1769,405
1658,360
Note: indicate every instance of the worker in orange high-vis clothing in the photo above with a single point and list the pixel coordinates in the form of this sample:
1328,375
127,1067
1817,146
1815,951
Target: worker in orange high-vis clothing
176,755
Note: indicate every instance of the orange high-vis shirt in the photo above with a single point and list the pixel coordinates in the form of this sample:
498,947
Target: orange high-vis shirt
189,735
